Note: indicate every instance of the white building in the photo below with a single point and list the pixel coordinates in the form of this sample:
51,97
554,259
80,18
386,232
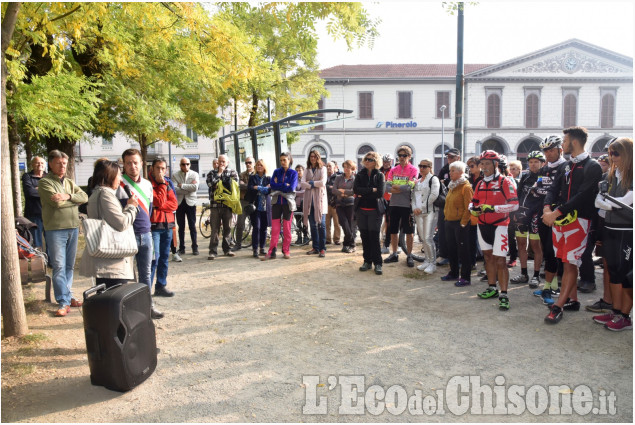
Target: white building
509,107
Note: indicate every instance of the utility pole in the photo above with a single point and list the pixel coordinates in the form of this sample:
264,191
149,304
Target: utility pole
458,123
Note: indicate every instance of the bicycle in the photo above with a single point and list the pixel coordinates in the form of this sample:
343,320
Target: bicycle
205,227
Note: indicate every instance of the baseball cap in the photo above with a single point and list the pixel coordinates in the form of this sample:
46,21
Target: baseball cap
453,152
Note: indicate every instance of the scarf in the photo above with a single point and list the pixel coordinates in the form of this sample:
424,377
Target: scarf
579,158
558,162
455,183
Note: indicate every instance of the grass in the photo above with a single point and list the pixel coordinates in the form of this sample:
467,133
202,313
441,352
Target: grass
22,369
33,338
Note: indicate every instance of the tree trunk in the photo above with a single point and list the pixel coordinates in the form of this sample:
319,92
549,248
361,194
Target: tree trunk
13,312
143,147
253,113
14,149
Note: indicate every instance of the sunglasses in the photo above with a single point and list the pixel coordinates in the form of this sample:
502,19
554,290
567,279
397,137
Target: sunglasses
614,153
423,166
403,155
248,162
369,159
188,164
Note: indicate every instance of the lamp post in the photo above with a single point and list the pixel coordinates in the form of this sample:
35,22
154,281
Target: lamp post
442,109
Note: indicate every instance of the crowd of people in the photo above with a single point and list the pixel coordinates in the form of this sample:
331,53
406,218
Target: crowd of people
558,212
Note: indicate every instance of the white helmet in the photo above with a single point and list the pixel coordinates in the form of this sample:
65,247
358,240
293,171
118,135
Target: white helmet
551,142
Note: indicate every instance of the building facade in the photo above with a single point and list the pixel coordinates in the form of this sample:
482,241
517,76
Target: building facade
509,107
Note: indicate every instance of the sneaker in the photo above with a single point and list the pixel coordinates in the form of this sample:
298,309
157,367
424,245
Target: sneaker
554,316
490,292
155,314
392,258
255,254
195,251
483,272
365,267
176,257
312,251
448,277
571,305
273,254
443,262
423,266
418,258
430,269
555,293
181,251
483,278
523,278
538,292
503,303
76,303
600,307
546,297
378,269
462,282
619,323
322,253
385,250
286,255
409,261
211,256
162,291
512,264
262,252
63,311
534,282
604,318
230,253
586,287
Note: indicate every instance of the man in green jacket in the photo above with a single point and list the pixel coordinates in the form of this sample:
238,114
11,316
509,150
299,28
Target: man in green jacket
60,198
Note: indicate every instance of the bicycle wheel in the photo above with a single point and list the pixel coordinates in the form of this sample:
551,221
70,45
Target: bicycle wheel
247,233
204,223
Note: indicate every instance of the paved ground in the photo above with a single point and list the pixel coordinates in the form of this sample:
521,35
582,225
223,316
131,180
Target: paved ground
240,334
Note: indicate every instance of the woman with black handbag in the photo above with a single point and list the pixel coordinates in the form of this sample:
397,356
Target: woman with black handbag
368,188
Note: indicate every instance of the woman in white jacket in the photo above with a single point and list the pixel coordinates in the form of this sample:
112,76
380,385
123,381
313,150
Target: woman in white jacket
426,191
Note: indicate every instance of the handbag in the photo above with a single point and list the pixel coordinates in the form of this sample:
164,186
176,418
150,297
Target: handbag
102,241
443,191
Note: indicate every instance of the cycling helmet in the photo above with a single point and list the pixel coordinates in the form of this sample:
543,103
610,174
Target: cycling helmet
551,142
536,155
609,142
387,158
604,157
503,162
493,155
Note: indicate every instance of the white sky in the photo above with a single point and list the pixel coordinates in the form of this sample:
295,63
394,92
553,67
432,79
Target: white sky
422,32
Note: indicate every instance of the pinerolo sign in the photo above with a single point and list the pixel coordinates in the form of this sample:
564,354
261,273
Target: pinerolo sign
391,124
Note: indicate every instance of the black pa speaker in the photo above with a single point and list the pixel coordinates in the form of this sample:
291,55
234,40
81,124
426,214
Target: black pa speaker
120,338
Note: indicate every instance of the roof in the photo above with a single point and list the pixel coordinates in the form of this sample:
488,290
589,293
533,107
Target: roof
397,71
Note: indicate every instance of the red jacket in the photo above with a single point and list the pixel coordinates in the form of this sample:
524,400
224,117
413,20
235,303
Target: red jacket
499,193
164,204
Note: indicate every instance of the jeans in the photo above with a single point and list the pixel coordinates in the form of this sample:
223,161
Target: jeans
184,210
162,239
62,248
259,230
318,231
425,228
36,232
144,257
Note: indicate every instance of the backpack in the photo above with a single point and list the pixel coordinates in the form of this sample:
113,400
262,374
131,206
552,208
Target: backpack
443,191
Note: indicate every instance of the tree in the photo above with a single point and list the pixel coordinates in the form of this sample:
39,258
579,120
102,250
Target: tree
13,312
286,37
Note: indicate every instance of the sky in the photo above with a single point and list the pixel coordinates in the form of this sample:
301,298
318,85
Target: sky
423,32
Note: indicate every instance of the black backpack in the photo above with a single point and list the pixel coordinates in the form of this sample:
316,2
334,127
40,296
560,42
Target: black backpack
443,191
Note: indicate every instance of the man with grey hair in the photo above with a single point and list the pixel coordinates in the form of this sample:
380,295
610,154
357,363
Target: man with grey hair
32,204
220,210
186,184
61,198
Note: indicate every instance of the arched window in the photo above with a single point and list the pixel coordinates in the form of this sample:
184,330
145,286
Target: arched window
570,111
322,151
527,145
361,152
439,156
493,145
608,111
493,111
531,111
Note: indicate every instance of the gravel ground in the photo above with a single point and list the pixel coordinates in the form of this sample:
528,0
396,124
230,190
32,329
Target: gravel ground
240,335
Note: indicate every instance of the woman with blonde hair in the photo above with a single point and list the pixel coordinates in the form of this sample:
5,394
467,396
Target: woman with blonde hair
617,243
425,192
343,191
258,194
368,188
315,204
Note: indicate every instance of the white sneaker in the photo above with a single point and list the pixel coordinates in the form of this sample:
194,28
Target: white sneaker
423,266
431,269
176,257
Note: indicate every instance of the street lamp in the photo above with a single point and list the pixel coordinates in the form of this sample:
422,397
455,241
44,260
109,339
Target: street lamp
442,109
